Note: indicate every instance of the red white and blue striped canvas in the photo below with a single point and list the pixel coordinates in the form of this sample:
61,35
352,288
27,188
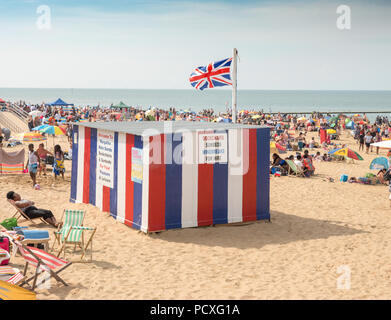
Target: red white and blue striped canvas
176,191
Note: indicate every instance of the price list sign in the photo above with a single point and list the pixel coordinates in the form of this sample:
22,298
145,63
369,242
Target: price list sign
212,148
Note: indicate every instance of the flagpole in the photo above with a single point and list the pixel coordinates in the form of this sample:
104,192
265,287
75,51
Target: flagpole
234,83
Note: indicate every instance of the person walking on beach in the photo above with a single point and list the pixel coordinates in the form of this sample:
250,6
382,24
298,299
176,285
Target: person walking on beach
378,138
368,140
33,163
42,154
58,167
361,140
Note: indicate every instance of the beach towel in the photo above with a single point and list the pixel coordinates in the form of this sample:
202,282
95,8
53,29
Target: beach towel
11,162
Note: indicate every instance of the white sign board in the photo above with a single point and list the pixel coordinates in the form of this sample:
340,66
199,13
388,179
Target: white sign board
212,148
137,165
105,159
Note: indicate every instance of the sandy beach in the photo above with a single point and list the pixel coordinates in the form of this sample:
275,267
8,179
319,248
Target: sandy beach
316,227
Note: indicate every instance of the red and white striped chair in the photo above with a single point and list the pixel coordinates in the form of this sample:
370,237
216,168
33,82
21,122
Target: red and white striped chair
42,261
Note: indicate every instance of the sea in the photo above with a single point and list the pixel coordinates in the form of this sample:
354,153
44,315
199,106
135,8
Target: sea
284,101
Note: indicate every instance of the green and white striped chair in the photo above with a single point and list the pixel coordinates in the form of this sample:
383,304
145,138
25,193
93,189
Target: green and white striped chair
72,232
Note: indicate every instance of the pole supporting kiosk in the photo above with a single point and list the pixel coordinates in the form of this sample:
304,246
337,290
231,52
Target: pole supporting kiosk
234,83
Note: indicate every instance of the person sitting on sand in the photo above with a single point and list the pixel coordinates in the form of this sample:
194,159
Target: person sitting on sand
298,162
32,212
318,157
326,157
278,162
308,168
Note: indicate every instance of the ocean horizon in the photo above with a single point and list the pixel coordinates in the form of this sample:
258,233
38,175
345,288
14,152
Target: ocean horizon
219,99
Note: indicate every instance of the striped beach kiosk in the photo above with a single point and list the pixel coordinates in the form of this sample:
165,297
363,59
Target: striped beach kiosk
155,176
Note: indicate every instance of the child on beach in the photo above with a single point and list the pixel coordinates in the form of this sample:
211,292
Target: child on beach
33,163
58,167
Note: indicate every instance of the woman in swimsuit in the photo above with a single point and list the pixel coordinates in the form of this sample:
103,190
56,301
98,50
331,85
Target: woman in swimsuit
42,154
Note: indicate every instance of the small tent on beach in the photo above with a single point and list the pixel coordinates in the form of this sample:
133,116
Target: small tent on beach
58,103
159,175
120,105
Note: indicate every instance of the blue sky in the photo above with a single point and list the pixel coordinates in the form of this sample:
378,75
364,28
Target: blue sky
155,44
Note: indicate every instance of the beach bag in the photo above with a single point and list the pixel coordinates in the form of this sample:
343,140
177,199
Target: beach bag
10,223
344,178
5,244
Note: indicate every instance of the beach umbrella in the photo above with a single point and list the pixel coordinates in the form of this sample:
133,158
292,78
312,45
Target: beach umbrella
346,152
30,137
331,131
42,126
379,163
12,292
53,130
257,116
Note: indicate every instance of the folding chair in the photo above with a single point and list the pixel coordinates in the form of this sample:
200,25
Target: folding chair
75,235
295,169
69,219
72,232
41,260
22,214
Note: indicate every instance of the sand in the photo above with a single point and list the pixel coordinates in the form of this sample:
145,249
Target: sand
316,227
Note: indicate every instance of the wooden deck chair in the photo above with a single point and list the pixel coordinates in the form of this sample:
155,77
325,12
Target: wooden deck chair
11,275
8,273
75,235
69,218
42,261
22,214
295,169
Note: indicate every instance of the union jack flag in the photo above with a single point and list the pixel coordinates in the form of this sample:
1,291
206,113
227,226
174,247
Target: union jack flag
216,74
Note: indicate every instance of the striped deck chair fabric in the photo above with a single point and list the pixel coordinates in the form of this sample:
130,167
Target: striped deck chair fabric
75,235
72,218
4,255
292,167
41,259
10,275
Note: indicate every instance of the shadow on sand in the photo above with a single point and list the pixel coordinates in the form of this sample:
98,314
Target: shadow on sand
284,228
